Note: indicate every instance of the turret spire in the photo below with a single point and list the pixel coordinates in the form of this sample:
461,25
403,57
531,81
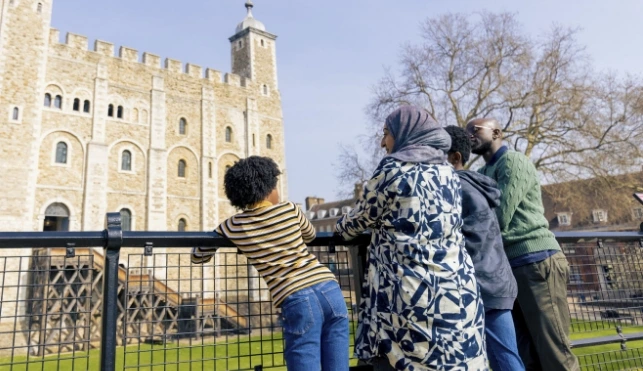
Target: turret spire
249,6
250,21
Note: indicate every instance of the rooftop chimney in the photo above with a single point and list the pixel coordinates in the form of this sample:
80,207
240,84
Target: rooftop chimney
312,201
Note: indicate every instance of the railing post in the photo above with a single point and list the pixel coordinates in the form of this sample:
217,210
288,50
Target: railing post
110,292
359,262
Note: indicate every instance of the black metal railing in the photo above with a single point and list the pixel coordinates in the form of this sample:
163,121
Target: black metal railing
140,304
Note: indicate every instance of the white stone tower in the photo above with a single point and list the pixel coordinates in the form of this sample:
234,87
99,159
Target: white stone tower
24,38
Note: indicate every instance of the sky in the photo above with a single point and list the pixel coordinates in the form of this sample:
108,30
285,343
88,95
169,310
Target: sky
330,53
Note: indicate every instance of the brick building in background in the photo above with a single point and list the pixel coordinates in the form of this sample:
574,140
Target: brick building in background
324,215
595,204
600,204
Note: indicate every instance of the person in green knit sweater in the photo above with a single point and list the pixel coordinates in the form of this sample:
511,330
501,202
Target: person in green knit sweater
541,315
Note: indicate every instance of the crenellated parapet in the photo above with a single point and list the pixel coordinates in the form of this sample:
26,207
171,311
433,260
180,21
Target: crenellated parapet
149,60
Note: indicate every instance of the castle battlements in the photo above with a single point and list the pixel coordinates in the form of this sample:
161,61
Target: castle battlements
173,66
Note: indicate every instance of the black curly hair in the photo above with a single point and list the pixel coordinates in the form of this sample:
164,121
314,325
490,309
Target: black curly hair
460,142
250,181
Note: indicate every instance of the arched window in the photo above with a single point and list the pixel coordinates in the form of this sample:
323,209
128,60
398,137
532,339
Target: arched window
269,141
262,43
182,126
61,153
56,218
110,110
228,134
265,90
126,220
57,209
58,102
182,167
39,7
182,225
126,161
210,170
86,106
119,112
47,100
16,114
76,104
135,116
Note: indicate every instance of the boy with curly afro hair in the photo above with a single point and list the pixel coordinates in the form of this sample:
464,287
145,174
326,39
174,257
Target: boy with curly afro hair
273,236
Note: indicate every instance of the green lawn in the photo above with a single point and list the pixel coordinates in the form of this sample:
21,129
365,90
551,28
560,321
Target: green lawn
235,354
593,329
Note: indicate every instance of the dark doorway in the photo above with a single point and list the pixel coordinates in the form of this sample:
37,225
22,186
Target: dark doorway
56,218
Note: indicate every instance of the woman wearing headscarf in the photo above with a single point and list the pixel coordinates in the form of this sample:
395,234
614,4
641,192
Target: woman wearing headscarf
420,307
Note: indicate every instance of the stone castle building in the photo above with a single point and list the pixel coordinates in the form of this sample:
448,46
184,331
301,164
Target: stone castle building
84,132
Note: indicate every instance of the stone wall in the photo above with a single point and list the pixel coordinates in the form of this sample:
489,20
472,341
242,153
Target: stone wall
135,105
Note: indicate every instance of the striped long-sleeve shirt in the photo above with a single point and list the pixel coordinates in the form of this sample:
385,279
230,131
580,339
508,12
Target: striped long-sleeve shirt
274,238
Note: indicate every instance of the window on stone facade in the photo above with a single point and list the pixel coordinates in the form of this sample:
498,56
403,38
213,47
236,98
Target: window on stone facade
126,161
58,102
265,90
182,126
47,100
210,170
126,220
16,114
76,104
183,224
262,43
253,140
119,112
269,141
61,153
86,106
228,134
182,167
240,44
39,7
110,110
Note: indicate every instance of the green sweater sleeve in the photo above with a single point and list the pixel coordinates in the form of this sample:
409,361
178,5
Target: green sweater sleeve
513,175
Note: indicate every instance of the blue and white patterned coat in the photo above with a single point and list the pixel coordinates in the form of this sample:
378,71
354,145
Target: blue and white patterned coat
420,304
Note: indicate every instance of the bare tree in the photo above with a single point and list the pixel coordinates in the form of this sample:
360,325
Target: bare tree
353,168
570,120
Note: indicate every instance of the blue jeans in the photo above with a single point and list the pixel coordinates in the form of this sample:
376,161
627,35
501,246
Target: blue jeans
315,321
502,348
